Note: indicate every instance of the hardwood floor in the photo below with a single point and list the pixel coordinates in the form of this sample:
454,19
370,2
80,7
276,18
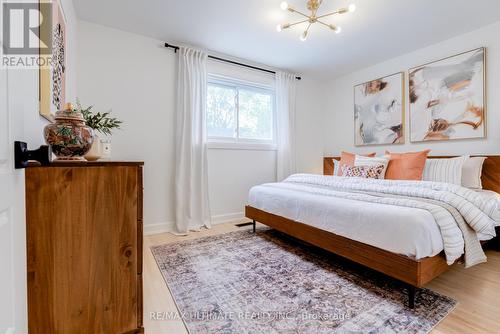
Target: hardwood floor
477,291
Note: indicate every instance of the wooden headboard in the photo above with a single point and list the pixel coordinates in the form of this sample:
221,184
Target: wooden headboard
490,178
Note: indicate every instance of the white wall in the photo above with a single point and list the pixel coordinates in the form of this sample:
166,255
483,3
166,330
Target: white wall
339,124
231,173
309,122
135,76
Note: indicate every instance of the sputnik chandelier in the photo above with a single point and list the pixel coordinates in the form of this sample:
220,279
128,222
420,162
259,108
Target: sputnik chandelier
313,6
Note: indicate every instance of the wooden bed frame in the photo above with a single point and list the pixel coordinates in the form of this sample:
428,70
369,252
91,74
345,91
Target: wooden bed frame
415,273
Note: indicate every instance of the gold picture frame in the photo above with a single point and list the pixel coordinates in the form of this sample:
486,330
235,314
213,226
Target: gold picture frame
52,74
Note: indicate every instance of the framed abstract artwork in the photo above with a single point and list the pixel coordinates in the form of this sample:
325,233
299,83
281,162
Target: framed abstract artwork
52,78
448,98
379,111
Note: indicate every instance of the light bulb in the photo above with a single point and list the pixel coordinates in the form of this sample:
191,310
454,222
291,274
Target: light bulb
352,8
335,28
279,28
284,5
303,37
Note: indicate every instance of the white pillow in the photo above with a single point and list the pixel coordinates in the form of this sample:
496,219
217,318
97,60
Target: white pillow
336,167
471,173
361,160
445,170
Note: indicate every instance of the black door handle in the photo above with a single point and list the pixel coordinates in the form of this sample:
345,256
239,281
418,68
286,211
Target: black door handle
22,155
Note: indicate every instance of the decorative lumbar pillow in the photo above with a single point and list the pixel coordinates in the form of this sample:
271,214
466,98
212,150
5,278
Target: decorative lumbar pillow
471,172
367,172
406,166
348,159
372,161
445,170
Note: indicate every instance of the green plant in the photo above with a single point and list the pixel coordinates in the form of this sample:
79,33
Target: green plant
98,121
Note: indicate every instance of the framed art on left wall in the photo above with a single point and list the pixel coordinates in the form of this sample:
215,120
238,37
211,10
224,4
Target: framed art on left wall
52,79
379,111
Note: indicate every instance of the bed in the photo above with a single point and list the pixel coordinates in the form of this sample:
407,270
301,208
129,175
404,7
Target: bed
414,253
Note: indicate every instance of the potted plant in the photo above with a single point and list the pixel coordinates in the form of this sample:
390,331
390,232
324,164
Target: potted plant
101,123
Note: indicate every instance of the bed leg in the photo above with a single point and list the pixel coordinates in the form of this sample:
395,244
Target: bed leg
411,296
254,226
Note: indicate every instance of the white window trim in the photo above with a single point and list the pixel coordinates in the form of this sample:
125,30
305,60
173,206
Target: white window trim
235,145
241,143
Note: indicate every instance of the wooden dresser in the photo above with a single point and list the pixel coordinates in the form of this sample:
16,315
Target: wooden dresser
84,248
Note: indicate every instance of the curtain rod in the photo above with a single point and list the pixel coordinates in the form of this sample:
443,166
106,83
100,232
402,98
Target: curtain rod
176,48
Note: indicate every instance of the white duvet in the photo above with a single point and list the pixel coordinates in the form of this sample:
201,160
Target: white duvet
413,218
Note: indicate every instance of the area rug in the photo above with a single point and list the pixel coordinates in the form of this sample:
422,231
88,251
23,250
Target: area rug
265,282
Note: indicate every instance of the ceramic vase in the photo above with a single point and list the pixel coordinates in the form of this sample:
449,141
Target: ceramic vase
95,153
69,138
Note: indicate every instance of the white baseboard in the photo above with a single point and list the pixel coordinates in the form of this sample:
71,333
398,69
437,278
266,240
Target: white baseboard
158,228
227,218
164,227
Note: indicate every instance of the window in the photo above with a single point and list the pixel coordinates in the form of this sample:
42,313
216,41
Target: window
239,112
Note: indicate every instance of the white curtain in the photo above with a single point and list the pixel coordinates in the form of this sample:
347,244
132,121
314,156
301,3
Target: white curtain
191,175
285,109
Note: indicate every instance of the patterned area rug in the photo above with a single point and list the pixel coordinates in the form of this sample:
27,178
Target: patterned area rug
243,282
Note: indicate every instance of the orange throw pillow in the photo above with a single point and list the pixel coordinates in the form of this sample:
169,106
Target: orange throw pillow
348,159
406,166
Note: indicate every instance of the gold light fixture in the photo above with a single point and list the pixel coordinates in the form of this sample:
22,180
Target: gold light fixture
313,6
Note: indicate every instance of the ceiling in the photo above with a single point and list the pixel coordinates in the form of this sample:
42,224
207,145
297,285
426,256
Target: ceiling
378,30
